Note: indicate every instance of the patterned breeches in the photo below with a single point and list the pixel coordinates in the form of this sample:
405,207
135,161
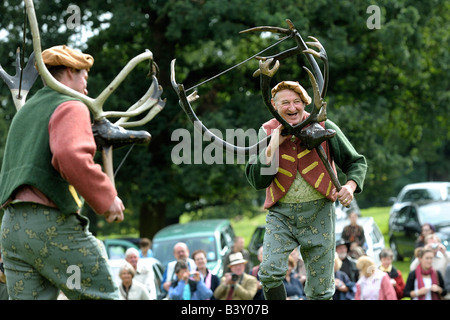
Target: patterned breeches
310,225
45,251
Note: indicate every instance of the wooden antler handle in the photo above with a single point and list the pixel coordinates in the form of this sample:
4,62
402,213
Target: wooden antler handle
108,162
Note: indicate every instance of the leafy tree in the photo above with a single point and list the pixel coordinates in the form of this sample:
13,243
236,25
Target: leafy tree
388,89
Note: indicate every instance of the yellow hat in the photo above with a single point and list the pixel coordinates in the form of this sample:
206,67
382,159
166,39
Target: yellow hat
65,56
294,86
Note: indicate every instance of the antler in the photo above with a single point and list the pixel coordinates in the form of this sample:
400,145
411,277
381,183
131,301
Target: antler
267,69
300,48
322,54
96,105
107,135
185,103
29,76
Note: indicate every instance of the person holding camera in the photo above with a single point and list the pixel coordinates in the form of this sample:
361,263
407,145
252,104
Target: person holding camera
236,285
187,288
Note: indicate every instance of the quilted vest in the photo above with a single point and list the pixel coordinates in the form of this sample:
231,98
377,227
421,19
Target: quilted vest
294,157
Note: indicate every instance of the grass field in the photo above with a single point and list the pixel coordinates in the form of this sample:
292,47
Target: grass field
245,227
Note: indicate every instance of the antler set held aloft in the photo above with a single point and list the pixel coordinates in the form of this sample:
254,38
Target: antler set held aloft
310,132
150,101
107,135
312,135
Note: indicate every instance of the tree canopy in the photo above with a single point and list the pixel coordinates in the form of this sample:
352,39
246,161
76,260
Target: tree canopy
388,89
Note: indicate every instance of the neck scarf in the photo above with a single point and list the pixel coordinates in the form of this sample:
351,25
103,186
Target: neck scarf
391,271
434,280
208,279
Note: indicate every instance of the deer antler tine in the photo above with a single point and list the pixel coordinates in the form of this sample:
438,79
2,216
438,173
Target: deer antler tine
264,67
267,29
148,101
148,95
290,24
29,75
319,104
193,96
156,108
100,100
315,40
313,52
322,54
148,98
316,90
128,114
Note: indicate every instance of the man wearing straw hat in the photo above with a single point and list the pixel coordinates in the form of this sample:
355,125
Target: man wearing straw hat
48,171
236,285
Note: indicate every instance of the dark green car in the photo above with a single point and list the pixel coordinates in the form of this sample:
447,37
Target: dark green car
215,236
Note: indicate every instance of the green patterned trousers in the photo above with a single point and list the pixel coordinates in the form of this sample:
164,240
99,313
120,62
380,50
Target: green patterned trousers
310,225
45,251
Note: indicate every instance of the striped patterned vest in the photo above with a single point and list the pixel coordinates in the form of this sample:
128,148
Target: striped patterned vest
292,157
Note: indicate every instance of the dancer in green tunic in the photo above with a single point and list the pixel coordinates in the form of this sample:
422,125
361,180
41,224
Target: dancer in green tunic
300,196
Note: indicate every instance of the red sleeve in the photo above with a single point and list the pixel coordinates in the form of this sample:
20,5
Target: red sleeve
400,285
73,148
387,291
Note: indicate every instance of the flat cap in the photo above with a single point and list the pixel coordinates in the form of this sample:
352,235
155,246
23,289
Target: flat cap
65,56
294,86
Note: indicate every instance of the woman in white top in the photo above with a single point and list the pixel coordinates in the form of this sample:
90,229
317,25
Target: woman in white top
424,283
129,289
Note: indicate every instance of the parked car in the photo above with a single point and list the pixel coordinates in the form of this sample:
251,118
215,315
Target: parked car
116,248
342,212
151,264
256,241
374,237
406,220
423,191
215,236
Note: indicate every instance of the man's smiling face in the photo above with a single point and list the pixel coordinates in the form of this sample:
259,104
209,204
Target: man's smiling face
289,105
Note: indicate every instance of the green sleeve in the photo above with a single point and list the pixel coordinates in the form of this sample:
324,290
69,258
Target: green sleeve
256,169
345,156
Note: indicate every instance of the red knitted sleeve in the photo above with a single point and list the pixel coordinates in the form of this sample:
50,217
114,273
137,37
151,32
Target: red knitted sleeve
73,148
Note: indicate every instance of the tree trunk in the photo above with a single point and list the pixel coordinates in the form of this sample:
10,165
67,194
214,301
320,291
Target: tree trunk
151,219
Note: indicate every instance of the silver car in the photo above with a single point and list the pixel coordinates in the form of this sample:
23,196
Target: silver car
434,191
374,238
